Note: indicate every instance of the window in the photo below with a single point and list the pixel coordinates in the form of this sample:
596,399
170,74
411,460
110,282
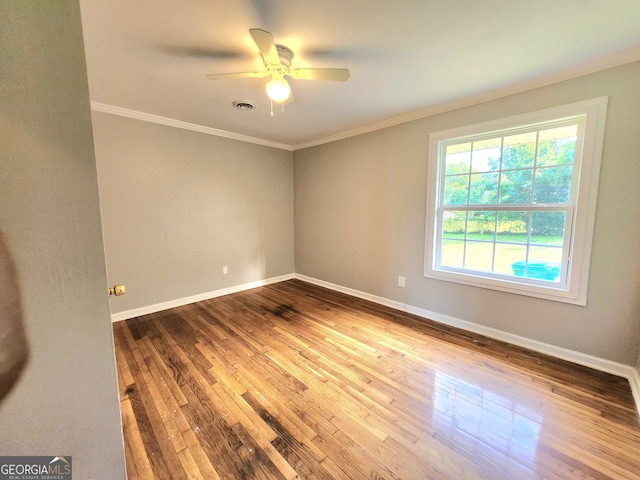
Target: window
511,203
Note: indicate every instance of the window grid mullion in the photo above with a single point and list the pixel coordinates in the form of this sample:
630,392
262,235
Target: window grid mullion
495,221
529,226
464,243
535,168
538,207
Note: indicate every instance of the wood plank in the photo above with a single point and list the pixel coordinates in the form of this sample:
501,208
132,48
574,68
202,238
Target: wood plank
294,380
199,456
137,461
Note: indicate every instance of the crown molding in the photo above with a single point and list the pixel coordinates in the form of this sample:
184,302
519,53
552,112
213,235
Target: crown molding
147,117
626,56
621,58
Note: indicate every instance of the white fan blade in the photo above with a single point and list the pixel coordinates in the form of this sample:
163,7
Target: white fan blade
222,76
266,45
334,74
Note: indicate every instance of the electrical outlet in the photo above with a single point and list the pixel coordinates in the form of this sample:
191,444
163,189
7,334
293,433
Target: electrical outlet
225,270
401,281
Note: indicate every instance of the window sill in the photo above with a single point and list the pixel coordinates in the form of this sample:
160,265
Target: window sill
543,291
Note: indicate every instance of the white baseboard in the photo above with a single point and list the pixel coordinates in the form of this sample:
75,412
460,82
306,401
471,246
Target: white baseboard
634,381
597,363
352,292
158,307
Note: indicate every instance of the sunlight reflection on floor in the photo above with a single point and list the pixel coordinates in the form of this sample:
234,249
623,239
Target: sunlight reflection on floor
497,421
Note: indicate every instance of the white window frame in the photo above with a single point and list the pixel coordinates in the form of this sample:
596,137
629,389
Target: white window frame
572,287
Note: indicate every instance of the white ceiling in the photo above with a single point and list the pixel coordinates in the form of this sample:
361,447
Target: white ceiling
407,57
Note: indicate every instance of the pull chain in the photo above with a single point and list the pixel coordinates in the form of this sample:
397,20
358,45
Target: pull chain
282,107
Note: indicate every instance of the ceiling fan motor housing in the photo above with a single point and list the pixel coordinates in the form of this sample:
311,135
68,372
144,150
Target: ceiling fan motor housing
285,55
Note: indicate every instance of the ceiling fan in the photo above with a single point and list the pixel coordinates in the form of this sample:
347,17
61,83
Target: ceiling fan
277,60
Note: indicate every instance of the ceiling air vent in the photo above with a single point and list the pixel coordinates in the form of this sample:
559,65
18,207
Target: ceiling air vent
242,105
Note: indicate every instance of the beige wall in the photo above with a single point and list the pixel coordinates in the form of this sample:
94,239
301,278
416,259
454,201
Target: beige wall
360,218
67,401
178,205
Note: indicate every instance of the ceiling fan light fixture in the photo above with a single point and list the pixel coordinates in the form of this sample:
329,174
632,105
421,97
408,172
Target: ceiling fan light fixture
278,89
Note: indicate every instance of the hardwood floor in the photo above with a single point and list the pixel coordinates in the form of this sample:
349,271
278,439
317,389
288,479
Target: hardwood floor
292,380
